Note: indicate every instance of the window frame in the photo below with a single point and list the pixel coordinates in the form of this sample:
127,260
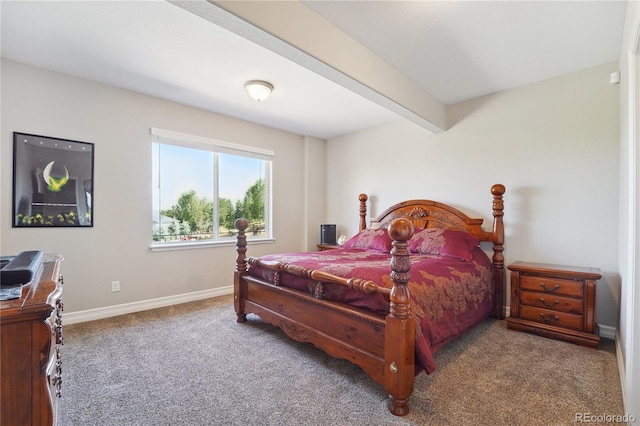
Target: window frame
168,137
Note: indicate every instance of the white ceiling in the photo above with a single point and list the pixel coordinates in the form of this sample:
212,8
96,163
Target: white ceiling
454,50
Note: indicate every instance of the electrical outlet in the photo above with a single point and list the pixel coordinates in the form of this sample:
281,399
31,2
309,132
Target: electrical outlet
115,286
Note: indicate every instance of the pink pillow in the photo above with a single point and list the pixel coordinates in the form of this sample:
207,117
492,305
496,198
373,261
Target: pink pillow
372,239
443,242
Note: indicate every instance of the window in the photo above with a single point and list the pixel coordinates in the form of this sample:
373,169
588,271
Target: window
201,186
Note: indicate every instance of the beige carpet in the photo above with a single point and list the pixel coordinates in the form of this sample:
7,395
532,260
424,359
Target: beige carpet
192,364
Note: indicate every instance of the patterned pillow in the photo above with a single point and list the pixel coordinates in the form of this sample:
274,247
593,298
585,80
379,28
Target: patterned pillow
372,239
443,242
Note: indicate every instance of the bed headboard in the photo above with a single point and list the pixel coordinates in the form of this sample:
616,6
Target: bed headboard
433,214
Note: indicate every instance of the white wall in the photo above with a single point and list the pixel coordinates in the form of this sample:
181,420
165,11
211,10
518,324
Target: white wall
554,145
117,247
314,190
628,337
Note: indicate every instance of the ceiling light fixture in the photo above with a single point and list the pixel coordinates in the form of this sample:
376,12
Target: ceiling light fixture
258,89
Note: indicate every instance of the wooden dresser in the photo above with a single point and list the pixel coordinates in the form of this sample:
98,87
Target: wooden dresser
554,301
30,333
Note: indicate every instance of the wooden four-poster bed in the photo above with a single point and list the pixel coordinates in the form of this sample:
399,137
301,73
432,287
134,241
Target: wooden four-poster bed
389,322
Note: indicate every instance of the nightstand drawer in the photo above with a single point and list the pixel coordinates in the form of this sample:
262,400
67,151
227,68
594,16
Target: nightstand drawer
551,285
551,301
549,317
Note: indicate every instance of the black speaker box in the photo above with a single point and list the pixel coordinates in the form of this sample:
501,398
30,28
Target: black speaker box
327,234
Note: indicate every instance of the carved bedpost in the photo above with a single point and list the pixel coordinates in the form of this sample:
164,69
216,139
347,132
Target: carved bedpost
363,211
498,191
239,287
399,352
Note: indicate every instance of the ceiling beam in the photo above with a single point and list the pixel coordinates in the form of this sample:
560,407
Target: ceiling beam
294,31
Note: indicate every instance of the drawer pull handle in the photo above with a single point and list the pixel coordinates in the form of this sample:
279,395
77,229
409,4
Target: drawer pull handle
544,287
549,305
551,319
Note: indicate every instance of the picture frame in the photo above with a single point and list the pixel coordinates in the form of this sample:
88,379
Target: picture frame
52,182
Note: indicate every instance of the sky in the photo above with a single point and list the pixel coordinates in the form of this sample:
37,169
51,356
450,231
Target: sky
184,169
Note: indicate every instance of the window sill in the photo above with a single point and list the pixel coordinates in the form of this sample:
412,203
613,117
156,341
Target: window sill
189,245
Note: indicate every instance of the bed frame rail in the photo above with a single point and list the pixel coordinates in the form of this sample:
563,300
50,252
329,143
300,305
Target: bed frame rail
320,277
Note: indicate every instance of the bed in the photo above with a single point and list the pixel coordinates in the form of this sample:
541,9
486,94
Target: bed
391,296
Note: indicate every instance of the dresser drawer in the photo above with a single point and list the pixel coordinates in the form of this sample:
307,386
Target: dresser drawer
551,301
551,285
549,317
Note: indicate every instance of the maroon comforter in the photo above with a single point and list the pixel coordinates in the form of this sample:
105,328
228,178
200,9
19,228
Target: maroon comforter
449,295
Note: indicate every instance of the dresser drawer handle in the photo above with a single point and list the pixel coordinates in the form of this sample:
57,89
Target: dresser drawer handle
544,287
551,319
549,305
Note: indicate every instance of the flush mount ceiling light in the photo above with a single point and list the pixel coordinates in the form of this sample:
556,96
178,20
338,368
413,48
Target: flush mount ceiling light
258,89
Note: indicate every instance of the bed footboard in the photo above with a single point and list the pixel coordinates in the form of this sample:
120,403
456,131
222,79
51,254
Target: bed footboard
384,347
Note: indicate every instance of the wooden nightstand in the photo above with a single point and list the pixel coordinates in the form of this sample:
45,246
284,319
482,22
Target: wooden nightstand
554,301
323,247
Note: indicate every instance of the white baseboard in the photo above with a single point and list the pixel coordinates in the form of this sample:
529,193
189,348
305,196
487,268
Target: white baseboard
127,308
607,331
621,371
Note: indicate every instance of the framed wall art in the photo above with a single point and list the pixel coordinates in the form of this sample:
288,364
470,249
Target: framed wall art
52,182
